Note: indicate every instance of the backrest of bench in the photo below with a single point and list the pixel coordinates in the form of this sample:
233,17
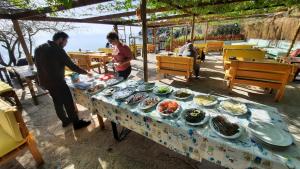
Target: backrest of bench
244,54
216,45
178,63
277,72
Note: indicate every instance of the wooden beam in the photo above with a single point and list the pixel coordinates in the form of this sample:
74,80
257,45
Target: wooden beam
22,41
144,34
293,41
171,41
206,31
193,29
118,15
75,4
73,20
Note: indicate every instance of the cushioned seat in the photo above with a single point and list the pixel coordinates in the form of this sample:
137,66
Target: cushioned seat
4,87
276,51
7,143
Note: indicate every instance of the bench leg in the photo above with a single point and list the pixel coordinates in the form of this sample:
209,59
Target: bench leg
279,94
34,150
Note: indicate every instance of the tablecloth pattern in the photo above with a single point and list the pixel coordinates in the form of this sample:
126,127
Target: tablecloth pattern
197,142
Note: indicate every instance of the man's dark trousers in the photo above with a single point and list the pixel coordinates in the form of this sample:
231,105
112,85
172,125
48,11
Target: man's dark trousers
62,98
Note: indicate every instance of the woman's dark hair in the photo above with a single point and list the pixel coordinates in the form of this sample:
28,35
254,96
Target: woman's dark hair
112,36
59,35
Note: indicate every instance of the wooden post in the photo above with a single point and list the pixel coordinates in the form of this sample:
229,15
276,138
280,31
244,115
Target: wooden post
206,31
22,41
293,41
193,29
144,33
171,41
186,33
116,29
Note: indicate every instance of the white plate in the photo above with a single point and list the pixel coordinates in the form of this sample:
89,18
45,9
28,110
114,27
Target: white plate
208,105
141,89
270,134
114,81
143,94
168,115
155,90
182,98
206,118
236,135
123,93
141,104
244,108
105,92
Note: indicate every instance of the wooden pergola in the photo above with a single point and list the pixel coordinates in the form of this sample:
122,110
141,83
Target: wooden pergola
186,16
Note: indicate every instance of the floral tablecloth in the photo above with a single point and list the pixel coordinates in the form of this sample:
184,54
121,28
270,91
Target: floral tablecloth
198,142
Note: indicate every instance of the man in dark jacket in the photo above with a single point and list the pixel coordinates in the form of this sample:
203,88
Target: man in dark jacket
51,59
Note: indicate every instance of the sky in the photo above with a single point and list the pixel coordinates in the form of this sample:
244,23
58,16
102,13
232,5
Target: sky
84,37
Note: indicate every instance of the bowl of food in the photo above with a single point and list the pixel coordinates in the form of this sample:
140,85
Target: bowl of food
233,107
194,116
205,100
182,94
123,93
162,90
136,98
95,89
149,102
146,87
110,90
224,128
168,108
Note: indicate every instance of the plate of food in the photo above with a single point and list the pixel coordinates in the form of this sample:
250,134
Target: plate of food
224,128
131,83
149,102
136,98
114,81
123,93
182,94
233,107
162,90
205,100
194,116
168,108
146,87
110,90
95,89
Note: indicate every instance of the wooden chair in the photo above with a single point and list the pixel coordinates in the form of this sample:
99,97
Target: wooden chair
7,92
265,75
175,65
14,135
106,50
242,55
214,46
236,47
150,48
85,62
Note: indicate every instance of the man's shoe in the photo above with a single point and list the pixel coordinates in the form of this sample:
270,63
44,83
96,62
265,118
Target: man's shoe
81,124
66,124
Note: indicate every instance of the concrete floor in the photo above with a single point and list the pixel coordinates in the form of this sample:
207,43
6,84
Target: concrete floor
92,148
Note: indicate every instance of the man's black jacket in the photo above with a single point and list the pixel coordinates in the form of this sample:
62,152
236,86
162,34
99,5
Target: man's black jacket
50,60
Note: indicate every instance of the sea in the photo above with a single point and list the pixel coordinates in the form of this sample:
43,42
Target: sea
87,37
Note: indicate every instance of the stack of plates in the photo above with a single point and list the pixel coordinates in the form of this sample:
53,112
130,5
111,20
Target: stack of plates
270,135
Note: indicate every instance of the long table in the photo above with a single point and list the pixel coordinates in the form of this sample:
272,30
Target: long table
197,142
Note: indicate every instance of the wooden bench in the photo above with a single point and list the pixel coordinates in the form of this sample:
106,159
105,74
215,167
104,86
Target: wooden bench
175,65
84,61
150,48
237,47
265,75
242,55
215,46
106,50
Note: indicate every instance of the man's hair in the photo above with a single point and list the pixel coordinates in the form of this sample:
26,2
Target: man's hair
59,35
112,36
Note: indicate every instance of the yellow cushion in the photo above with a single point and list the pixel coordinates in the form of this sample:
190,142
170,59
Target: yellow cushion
4,87
68,72
8,121
7,143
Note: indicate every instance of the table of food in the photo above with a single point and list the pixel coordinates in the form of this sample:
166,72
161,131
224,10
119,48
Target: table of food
228,131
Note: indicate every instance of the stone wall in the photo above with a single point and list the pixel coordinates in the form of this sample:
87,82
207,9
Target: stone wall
282,28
